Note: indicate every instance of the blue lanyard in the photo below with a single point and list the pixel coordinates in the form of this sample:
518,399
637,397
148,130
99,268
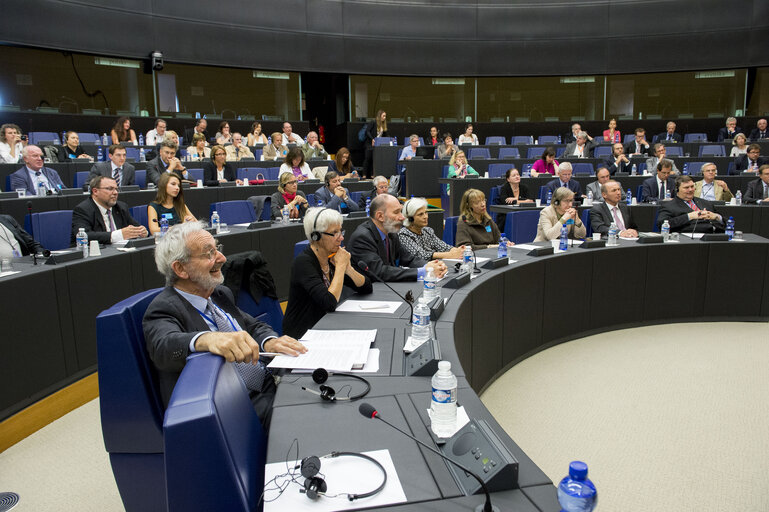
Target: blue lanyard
211,320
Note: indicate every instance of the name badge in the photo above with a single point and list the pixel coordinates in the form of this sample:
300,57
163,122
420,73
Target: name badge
488,229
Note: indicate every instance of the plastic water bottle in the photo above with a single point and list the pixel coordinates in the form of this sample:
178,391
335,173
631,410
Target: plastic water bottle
634,170
420,322
41,190
738,198
215,223
629,197
430,290
667,193
100,154
730,228
549,196
502,249
320,203
104,140
576,493
665,231
685,170
613,234
368,207
589,201
163,225
443,404
467,260
564,238
141,139
81,241
142,156
285,214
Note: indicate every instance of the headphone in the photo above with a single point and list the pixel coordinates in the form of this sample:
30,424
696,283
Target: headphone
556,201
315,235
406,211
327,393
315,486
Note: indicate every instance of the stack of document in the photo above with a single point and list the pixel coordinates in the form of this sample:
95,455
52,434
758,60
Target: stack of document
340,351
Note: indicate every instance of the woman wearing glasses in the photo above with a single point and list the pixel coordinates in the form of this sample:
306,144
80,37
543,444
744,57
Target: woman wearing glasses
322,275
288,194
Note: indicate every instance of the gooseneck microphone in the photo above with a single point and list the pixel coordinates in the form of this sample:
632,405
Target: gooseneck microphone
362,266
370,412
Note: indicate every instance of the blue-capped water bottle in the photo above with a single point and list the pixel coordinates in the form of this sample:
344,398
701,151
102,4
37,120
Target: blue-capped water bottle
420,322
634,170
730,228
163,225
576,493
430,282
100,154
629,197
215,222
368,206
320,203
141,139
502,249
564,238
549,197
443,403
104,140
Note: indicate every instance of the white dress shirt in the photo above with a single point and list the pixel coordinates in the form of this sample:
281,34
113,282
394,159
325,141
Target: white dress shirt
116,235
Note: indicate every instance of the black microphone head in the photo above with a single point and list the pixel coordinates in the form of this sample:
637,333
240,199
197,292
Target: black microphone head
29,205
46,253
368,410
320,376
362,265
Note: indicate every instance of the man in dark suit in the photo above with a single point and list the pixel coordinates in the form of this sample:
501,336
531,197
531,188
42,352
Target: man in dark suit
200,127
376,243
602,176
612,209
670,135
618,161
687,213
760,131
334,195
116,168
729,131
758,190
564,180
14,241
656,187
166,161
576,128
35,172
639,146
103,217
751,160
194,313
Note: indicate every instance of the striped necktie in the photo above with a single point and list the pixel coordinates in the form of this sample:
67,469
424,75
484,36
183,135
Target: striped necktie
116,175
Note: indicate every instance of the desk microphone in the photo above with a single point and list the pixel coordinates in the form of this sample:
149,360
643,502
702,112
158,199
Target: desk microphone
408,299
370,412
29,209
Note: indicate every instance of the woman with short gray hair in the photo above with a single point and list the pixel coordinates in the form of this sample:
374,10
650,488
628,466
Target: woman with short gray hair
419,238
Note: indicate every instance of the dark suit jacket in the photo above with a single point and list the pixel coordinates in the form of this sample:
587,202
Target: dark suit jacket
651,192
333,201
572,185
27,244
630,149
676,213
366,245
601,217
21,179
171,322
209,173
613,169
87,215
571,146
741,164
662,137
277,202
188,133
724,134
755,191
755,134
105,169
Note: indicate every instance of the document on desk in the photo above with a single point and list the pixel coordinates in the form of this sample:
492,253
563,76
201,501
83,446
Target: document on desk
369,306
478,261
339,351
343,475
526,247
692,235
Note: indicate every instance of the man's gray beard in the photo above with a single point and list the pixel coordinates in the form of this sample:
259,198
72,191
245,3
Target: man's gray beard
391,226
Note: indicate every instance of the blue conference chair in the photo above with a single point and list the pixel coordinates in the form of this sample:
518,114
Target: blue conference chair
247,173
300,246
586,221
521,139
234,212
521,227
8,183
479,153
51,229
383,141
195,174
132,153
495,139
712,150
583,168
40,137
672,150
498,170
130,404
140,178
140,214
89,138
638,193
493,195
532,153
695,137
629,137
81,178
450,230
601,151
547,139
215,446
271,173
693,168
508,153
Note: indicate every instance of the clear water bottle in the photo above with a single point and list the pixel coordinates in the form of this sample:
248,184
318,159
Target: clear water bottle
613,234
430,290
420,322
285,214
738,197
665,231
141,139
163,225
502,249
589,201
215,223
667,192
467,260
549,197
564,238
64,137
443,404
142,156
104,139
100,154
320,203
629,197
81,241
730,228
368,207
634,170
685,170
576,493
41,190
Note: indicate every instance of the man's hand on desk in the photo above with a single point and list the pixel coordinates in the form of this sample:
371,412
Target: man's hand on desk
130,232
234,347
438,267
285,345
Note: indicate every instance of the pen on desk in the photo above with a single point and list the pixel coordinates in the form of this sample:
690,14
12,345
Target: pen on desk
373,306
269,354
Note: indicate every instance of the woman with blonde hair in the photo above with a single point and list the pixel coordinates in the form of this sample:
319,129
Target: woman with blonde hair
740,143
475,227
458,167
376,128
288,194
561,212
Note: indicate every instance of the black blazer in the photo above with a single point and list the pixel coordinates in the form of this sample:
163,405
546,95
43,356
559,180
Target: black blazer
572,185
755,191
506,191
662,137
366,245
676,213
209,173
601,217
188,133
371,133
741,163
612,167
87,215
171,322
755,134
650,191
27,244
630,148
724,134
277,202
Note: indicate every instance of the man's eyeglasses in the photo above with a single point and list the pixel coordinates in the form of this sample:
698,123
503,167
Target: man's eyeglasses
338,234
108,189
211,253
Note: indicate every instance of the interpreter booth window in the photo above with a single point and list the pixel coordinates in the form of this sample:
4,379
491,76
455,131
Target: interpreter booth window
412,99
692,94
228,93
537,99
758,94
64,82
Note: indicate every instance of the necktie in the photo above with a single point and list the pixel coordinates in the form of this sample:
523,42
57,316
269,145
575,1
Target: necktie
387,248
662,190
111,222
619,222
669,137
252,374
693,206
116,175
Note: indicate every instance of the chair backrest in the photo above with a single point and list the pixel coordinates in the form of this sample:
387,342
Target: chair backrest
247,173
586,221
89,138
695,137
38,137
52,229
215,447
140,214
547,139
140,178
479,153
355,196
495,139
498,170
601,151
693,168
257,154
629,137
195,174
450,230
383,141
259,205
638,193
508,153
672,150
234,212
535,152
583,168
521,139
300,246
132,152
543,195
271,173
521,227
712,150
311,200
493,196
527,168
130,404
81,178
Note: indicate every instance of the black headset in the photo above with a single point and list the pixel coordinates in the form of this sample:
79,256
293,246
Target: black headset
406,209
315,486
327,393
315,234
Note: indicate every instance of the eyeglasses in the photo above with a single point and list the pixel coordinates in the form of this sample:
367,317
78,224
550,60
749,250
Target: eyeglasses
211,253
294,182
108,189
338,234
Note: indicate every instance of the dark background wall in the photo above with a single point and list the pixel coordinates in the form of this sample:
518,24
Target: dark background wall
432,37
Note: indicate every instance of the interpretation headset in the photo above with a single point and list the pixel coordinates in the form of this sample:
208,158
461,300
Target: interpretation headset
315,486
315,235
410,217
327,393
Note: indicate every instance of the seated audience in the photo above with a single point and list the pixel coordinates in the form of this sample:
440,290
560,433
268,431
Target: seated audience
612,209
475,227
14,241
447,149
334,195
322,275
342,164
758,190
72,150
432,138
564,180
546,164
295,164
289,137
410,151
255,136
11,144
751,161
237,151
459,168
655,188
276,149
156,135
468,137
688,213
560,213
288,194
670,135
173,137
123,173
420,239
618,161
375,242
122,132
659,152
103,217
219,170
576,128
639,146
34,172
602,176
168,204
513,191
579,148
166,161
199,149
709,187
194,313
760,131
313,148
729,131
200,127
612,134
381,186
739,145
223,136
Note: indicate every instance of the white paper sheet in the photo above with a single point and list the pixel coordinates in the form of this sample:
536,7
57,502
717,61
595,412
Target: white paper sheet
462,419
692,235
369,306
479,260
526,247
333,350
9,273
345,475
371,366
